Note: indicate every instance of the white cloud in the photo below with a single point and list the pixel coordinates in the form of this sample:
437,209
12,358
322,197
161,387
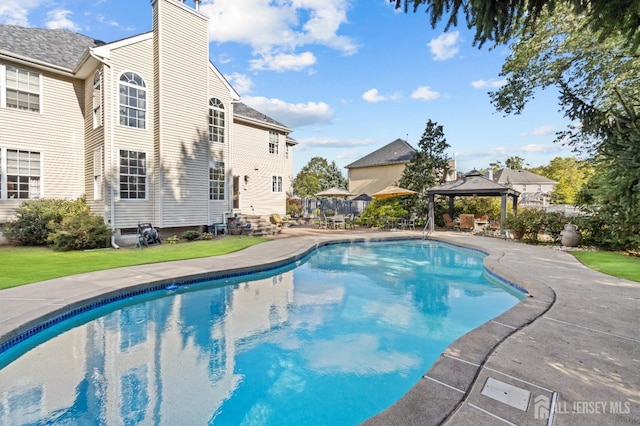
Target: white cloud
493,83
16,12
291,115
241,82
545,130
444,47
425,93
276,29
283,62
374,96
325,142
103,20
59,19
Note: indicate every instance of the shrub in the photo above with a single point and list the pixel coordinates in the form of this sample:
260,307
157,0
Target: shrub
35,219
190,235
172,240
80,231
294,207
206,236
378,210
530,222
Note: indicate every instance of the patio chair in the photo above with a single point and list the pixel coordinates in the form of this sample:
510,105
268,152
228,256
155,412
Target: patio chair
467,222
448,222
409,223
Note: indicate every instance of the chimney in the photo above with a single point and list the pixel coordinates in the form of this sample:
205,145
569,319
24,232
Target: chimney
197,3
489,174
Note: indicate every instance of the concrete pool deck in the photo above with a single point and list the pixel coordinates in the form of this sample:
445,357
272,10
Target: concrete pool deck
568,355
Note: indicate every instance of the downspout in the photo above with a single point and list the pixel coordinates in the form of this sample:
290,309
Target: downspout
112,214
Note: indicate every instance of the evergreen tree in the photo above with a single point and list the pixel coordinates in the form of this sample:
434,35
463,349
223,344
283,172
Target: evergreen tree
318,175
428,167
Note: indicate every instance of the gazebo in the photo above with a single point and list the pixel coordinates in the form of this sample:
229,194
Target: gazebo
473,183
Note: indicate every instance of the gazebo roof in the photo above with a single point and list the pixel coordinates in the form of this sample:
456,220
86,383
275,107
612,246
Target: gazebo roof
473,183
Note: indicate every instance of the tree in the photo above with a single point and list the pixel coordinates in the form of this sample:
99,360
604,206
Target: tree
514,163
317,176
499,20
599,85
428,167
571,174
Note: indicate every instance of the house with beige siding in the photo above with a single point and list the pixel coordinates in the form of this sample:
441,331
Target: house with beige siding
384,167
144,127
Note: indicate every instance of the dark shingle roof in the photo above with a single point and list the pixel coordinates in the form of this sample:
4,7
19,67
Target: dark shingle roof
519,177
396,152
246,111
56,47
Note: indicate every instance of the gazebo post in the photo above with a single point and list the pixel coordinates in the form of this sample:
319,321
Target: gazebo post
431,211
503,210
451,200
515,205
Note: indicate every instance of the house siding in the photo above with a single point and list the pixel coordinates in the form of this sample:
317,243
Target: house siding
253,160
94,139
220,209
137,58
181,124
368,180
56,131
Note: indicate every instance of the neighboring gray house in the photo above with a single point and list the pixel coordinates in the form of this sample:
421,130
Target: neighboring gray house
143,127
534,189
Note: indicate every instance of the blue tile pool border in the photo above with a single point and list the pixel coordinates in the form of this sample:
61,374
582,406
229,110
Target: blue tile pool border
56,317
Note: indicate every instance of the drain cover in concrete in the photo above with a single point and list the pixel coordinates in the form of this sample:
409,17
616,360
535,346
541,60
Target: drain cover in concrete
506,393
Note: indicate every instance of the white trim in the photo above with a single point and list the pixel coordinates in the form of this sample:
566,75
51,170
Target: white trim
146,175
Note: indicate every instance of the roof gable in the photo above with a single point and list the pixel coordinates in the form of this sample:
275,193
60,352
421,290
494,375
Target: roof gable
396,152
243,110
61,48
520,177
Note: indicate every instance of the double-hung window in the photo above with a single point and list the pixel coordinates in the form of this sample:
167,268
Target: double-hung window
97,99
133,101
216,120
133,175
216,180
276,184
273,142
20,88
23,171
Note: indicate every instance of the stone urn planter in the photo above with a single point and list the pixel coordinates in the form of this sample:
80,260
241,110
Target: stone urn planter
570,236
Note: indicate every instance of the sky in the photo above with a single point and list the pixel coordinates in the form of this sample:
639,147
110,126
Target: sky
347,76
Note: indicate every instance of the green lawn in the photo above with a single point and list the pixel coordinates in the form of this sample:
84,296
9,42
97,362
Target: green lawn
24,265
611,263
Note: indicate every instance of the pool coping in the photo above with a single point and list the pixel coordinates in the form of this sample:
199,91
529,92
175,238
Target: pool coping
447,387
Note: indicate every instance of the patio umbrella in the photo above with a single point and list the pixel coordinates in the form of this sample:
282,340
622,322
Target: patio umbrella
392,191
334,192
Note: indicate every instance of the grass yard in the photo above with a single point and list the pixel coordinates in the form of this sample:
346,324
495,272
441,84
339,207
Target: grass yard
24,265
611,263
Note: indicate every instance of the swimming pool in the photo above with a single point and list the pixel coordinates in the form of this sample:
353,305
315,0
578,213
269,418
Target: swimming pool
332,339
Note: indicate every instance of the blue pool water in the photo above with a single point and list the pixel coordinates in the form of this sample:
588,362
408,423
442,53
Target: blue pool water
333,339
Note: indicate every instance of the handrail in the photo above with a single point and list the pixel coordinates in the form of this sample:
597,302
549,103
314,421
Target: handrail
427,229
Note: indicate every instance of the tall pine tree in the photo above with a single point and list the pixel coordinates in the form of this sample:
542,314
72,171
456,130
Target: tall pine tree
428,167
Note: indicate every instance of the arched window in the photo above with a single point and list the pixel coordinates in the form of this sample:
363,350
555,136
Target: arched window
216,120
133,101
97,99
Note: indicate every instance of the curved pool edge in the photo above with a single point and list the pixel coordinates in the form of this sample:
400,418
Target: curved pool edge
448,382
431,401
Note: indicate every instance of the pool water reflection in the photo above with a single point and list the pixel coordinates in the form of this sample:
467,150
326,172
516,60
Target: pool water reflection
334,339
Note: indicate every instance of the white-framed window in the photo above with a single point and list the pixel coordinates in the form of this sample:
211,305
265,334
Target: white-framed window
286,151
216,180
133,101
98,179
22,172
276,184
133,175
216,120
21,89
524,188
97,99
273,142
